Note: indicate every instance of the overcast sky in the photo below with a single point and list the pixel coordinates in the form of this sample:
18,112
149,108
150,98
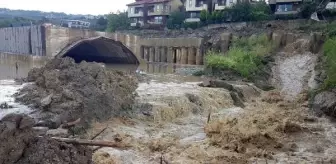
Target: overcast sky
94,7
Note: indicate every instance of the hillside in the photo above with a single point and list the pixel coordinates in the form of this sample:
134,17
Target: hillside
14,18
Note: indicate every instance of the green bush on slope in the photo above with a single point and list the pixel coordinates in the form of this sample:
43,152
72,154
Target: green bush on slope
245,55
330,62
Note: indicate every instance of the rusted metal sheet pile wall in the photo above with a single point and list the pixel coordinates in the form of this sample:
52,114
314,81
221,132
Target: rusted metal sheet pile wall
23,40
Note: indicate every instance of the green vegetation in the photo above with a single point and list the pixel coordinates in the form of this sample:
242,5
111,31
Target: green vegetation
101,24
328,29
118,21
244,11
176,20
14,22
244,57
308,8
330,62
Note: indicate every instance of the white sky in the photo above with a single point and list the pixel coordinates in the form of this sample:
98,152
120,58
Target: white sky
94,7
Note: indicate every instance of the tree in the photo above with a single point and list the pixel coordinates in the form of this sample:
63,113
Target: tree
101,24
261,11
308,8
204,16
102,21
246,11
176,19
118,21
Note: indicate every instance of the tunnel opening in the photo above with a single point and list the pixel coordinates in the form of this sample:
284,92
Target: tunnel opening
100,49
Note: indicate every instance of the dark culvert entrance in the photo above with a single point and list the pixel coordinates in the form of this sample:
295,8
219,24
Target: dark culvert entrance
99,49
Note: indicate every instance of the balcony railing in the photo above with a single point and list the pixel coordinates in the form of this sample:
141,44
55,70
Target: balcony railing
197,8
139,14
158,12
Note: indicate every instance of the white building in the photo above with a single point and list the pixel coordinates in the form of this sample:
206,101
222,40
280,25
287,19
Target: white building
78,24
194,7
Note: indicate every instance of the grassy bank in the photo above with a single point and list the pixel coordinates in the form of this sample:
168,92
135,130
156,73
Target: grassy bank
244,57
330,62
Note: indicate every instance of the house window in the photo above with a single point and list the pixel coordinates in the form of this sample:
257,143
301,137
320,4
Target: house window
285,7
222,2
158,19
151,9
195,15
190,3
132,10
137,10
157,8
231,1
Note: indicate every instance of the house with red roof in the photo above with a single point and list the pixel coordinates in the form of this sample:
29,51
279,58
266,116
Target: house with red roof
143,12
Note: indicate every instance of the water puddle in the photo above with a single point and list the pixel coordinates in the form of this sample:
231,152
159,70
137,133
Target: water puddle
7,89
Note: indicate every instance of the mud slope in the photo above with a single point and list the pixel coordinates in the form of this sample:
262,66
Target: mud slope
19,144
64,91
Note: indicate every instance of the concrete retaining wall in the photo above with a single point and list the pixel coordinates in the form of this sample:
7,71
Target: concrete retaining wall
57,38
23,40
10,61
49,41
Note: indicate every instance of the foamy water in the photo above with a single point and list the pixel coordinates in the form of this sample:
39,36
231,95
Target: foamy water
7,89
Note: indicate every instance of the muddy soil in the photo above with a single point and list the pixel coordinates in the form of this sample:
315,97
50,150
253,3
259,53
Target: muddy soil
263,132
63,91
21,145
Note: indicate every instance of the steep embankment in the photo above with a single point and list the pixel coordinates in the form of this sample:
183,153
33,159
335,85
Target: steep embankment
294,69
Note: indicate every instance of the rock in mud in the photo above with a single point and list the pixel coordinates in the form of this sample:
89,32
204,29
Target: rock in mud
240,91
5,106
21,145
325,102
58,133
64,91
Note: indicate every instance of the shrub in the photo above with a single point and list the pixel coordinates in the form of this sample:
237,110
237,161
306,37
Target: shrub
118,21
192,25
261,11
246,11
286,16
329,13
244,57
176,20
330,62
307,9
239,60
204,16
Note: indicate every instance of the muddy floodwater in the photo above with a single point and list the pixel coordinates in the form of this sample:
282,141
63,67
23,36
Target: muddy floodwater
19,68
171,115
14,68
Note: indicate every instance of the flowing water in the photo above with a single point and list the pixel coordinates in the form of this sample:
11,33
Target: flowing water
173,111
18,67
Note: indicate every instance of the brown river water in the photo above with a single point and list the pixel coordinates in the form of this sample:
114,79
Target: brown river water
174,120
18,67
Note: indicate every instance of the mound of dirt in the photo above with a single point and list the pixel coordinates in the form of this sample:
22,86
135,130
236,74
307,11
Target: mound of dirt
19,144
64,91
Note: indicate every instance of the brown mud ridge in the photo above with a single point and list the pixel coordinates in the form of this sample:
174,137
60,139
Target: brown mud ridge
21,145
63,91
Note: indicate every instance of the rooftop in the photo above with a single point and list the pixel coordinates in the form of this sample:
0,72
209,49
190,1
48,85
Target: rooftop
141,2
